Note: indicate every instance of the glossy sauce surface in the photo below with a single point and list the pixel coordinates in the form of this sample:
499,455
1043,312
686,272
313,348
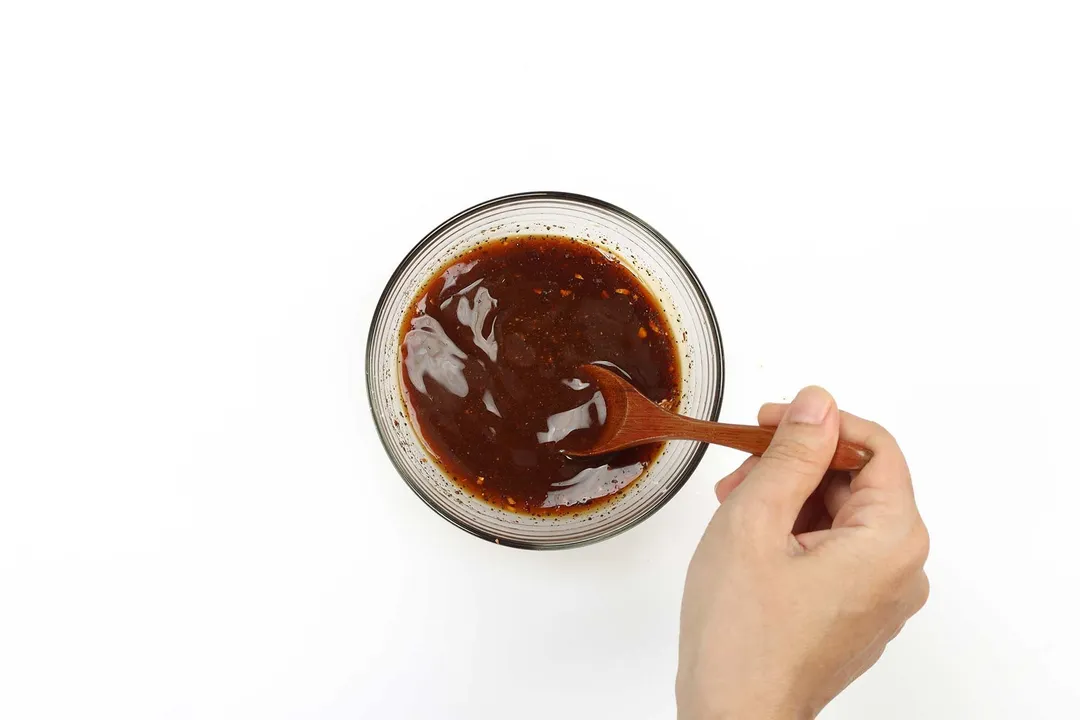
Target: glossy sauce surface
491,352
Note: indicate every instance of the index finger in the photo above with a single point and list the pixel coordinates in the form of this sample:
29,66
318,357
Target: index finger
887,470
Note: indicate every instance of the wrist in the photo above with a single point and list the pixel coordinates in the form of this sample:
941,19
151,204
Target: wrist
760,708
745,696
762,713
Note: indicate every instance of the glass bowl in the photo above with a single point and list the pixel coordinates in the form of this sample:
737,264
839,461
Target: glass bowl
652,259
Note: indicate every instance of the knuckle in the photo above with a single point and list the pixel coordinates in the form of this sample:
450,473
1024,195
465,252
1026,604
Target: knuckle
918,545
897,584
792,452
878,431
922,593
882,441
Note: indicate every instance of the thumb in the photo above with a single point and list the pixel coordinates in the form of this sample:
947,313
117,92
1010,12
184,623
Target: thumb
796,459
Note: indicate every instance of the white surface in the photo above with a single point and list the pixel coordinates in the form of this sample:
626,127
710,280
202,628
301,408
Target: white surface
200,203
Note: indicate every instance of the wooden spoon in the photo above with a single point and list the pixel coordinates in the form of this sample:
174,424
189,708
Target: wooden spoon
633,419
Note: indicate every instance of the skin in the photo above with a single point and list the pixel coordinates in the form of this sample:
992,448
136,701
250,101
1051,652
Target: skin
803,576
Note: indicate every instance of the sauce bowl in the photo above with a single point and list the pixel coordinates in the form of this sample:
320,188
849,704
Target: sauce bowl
652,259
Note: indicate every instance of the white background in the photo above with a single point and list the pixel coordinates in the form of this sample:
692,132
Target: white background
200,203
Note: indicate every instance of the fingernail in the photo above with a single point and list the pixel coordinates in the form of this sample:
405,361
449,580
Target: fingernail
810,406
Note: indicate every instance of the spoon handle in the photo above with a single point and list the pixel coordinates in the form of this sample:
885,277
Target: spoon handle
754,440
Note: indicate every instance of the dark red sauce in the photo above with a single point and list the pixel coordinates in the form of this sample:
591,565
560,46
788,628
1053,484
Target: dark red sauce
491,352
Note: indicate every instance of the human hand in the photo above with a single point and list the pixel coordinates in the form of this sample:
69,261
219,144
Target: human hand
802,577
